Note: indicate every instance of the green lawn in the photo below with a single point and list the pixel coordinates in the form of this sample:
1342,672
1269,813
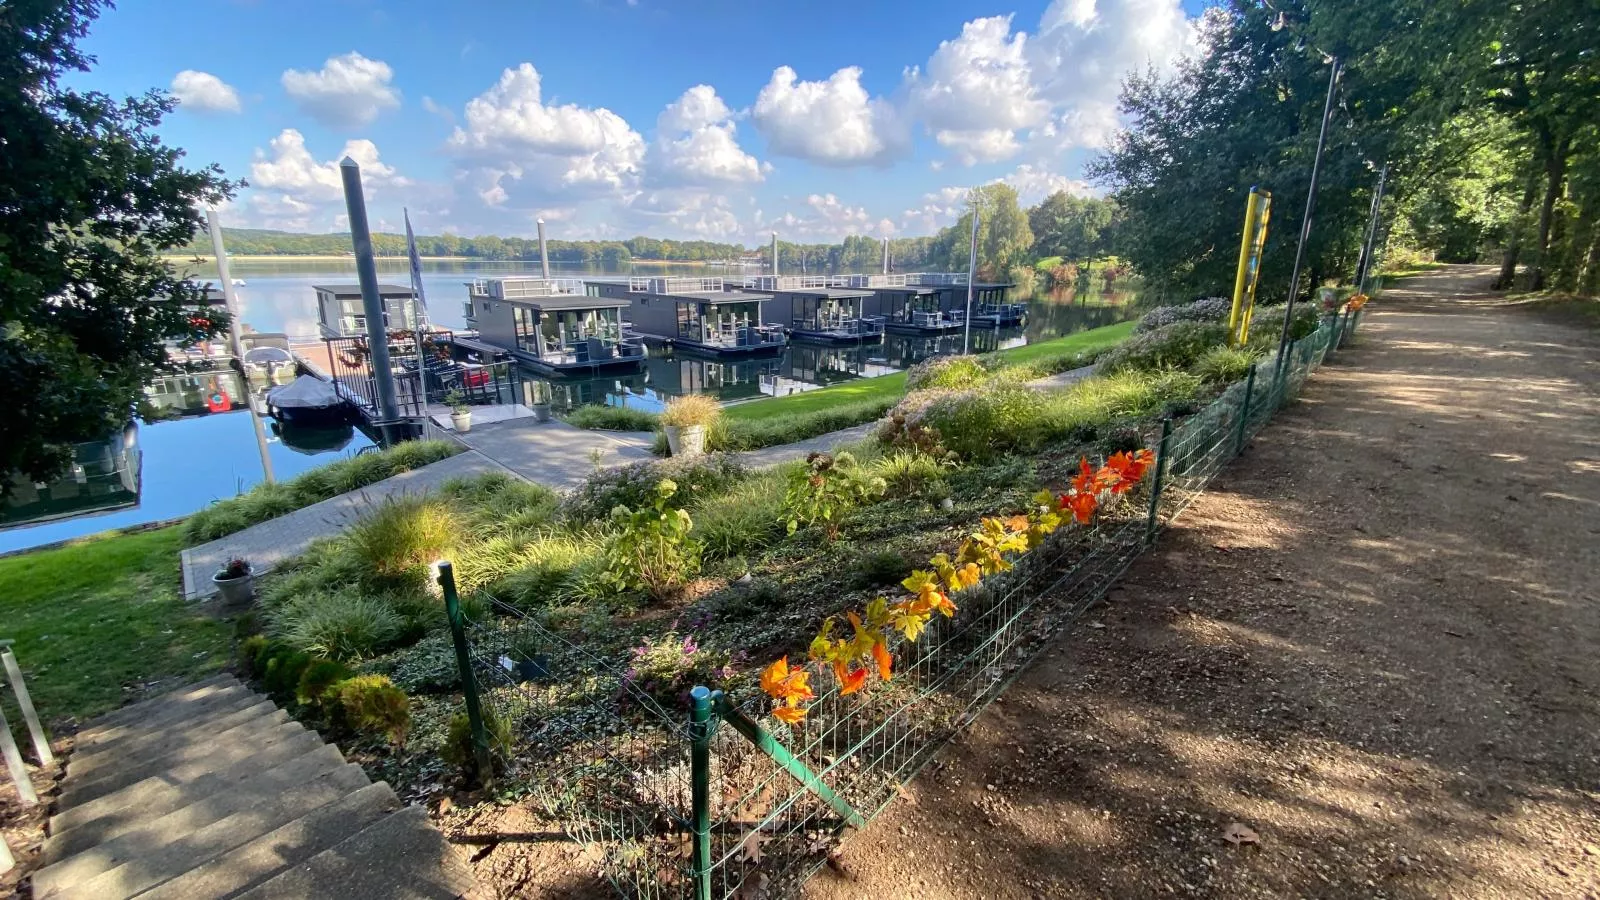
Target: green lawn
98,618
890,387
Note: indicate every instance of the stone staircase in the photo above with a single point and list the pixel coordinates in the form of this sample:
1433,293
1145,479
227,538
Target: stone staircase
212,791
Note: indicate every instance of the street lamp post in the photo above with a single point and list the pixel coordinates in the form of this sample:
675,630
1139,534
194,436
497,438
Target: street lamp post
1305,221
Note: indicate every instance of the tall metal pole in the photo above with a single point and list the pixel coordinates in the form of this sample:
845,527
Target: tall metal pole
371,301
972,273
885,256
1305,221
544,255
774,257
235,342
1372,232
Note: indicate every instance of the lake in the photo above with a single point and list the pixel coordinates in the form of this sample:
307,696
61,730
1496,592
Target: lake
186,463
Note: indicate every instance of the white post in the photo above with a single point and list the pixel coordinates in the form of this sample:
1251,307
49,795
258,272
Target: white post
234,342
41,743
7,862
885,256
972,274
544,257
774,258
19,771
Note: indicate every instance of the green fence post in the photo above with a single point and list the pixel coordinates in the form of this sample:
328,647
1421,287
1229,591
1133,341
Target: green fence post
1244,414
700,788
1161,474
469,683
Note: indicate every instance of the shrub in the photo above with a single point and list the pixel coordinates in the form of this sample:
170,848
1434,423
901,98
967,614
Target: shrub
1063,275
911,473
1086,409
752,434
546,570
249,649
1266,325
1122,439
826,491
397,541
634,485
458,750
743,521
318,681
268,501
974,424
947,372
283,673
371,704
1175,346
1214,310
879,568
613,418
691,409
668,667
652,550
343,626
1026,279
1225,365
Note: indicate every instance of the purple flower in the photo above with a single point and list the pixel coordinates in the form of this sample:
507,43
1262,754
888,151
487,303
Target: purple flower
690,648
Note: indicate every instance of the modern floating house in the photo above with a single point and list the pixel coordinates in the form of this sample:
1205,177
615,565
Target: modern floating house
340,312
698,315
820,308
552,325
936,302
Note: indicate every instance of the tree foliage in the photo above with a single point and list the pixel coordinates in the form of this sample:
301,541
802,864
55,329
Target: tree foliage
1077,229
89,200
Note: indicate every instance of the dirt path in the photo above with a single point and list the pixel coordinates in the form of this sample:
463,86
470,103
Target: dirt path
1376,643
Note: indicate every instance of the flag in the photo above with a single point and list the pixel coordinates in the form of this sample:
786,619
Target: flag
416,271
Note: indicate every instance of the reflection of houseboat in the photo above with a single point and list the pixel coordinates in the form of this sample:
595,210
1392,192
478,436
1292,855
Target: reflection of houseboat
699,315
340,312
104,477
552,326
820,308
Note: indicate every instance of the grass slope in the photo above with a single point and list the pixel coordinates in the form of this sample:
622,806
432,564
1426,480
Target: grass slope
99,617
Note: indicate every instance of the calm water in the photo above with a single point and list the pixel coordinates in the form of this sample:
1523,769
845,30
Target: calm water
189,462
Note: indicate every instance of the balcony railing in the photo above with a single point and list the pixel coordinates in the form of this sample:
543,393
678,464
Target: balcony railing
796,282
871,281
525,288
937,279
674,285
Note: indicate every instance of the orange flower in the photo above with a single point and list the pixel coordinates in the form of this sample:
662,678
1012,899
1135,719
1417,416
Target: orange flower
1084,481
880,652
1083,506
850,680
782,683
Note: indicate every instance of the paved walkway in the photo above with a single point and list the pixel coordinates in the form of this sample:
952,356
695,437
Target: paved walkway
554,453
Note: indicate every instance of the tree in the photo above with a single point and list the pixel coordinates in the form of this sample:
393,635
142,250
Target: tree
1077,229
89,199
1003,234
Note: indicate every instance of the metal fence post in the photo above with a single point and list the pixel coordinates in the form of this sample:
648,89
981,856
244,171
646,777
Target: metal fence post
469,683
41,743
1244,414
700,788
1161,474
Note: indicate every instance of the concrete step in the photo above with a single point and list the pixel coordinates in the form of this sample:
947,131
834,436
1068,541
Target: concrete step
173,844
188,764
135,711
265,857
193,814
205,745
149,746
401,857
161,794
219,699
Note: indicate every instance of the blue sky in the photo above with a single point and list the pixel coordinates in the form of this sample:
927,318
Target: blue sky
610,118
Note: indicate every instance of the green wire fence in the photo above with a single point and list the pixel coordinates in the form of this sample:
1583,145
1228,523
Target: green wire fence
708,801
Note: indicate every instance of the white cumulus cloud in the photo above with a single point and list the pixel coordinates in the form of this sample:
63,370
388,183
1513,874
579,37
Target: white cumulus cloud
1034,184
204,92
291,189
978,91
833,122
512,142
825,218
696,144
347,92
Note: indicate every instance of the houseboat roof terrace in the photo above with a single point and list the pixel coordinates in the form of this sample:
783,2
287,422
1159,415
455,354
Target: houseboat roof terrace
524,287
719,296
678,285
385,291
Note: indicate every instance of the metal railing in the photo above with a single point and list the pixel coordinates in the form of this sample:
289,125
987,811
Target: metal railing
669,801
870,281
674,285
937,279
796,282
525,288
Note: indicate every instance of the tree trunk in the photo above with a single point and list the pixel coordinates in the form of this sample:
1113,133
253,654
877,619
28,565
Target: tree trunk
1508,266
1555,175
1589,284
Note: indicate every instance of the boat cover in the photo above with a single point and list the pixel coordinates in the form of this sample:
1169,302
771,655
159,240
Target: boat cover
305,392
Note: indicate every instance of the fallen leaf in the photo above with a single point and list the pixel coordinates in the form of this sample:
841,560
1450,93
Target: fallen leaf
750,847
1238,833
906,795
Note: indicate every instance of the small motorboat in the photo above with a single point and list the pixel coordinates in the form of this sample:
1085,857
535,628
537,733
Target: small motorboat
308,401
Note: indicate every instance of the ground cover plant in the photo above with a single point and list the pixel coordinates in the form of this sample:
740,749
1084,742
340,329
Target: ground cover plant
268,501
613,418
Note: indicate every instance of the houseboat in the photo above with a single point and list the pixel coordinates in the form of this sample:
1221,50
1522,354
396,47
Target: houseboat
340,312
702,315
989,304
820,308
908,306
553,325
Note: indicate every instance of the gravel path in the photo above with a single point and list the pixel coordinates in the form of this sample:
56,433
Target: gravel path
1375,644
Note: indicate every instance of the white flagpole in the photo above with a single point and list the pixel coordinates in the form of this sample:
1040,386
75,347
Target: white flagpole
419,306
972,272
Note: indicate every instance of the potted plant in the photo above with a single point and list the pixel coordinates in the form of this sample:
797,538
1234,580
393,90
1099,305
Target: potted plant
685,421
541,401
235,581
460,412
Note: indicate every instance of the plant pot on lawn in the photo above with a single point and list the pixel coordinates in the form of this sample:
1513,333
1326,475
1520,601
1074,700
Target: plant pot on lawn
235,581
685,420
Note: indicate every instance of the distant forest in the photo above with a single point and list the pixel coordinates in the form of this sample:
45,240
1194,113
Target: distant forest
853,254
